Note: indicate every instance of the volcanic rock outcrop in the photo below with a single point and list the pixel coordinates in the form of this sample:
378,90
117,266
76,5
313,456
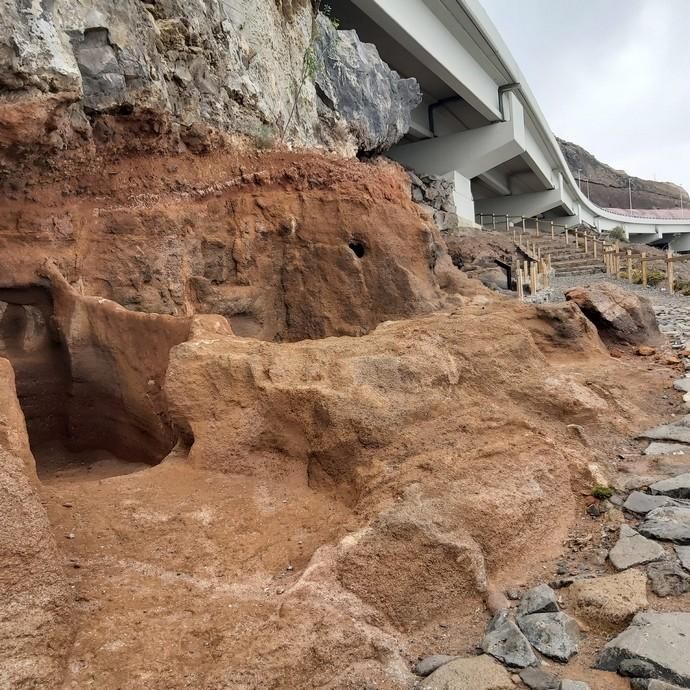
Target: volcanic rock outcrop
171,71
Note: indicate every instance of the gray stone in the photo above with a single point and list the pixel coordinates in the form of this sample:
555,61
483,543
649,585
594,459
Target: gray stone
669,524
505,642
668,579
642,503
555,635
634,549
636,668
353,81
682,385
662,685
661,639
683,553
429,664
540,599
665,448
676,487
668,432
536,679
573,685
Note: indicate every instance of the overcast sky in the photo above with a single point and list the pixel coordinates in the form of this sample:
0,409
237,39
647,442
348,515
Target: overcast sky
610,75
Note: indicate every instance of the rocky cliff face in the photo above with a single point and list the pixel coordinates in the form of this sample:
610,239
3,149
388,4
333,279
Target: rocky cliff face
264,433
608,187
173,69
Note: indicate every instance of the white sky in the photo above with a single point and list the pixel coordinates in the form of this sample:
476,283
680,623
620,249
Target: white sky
610,75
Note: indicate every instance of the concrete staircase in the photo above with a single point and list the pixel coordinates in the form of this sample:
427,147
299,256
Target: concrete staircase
567,259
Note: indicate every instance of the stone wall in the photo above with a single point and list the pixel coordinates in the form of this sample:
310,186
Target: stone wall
435,194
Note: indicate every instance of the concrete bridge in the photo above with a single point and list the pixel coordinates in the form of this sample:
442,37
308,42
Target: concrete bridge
479,124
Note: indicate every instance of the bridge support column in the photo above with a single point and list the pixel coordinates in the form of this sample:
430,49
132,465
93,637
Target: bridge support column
464,155
462,196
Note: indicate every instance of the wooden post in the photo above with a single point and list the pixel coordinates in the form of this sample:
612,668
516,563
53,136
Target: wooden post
507,223
629,254
525,269
577,239
594,246
523,225
669,270
533,287
585,244
553,232
643,261
493,220
537,221
617,259
566,235
520,284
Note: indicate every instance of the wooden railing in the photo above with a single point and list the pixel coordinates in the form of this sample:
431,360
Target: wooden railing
632,257
535,271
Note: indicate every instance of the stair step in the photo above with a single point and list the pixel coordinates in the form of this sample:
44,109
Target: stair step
580,271
576,263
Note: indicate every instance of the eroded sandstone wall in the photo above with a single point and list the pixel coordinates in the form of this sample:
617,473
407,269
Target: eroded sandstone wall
35,600
285,246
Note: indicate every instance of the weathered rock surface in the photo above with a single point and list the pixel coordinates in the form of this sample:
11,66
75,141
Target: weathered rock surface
573,685
353,82
682,385
35,605
555,635
677,432
610,600
667,524
478,673
659,639
666,448
668,579
429,664
641,503
537,679
620,317
634,549
341,406
175,69
505,642
270,243
539,599
683,553
655,685
676,487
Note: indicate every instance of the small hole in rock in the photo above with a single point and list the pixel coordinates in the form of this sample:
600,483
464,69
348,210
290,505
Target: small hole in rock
357,248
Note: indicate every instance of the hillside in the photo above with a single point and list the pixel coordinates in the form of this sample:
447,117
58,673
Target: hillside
608,187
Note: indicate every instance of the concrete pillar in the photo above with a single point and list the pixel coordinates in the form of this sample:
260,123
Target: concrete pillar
462,196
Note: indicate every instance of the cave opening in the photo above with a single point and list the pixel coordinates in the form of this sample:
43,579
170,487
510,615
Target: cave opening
357,248
67,438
